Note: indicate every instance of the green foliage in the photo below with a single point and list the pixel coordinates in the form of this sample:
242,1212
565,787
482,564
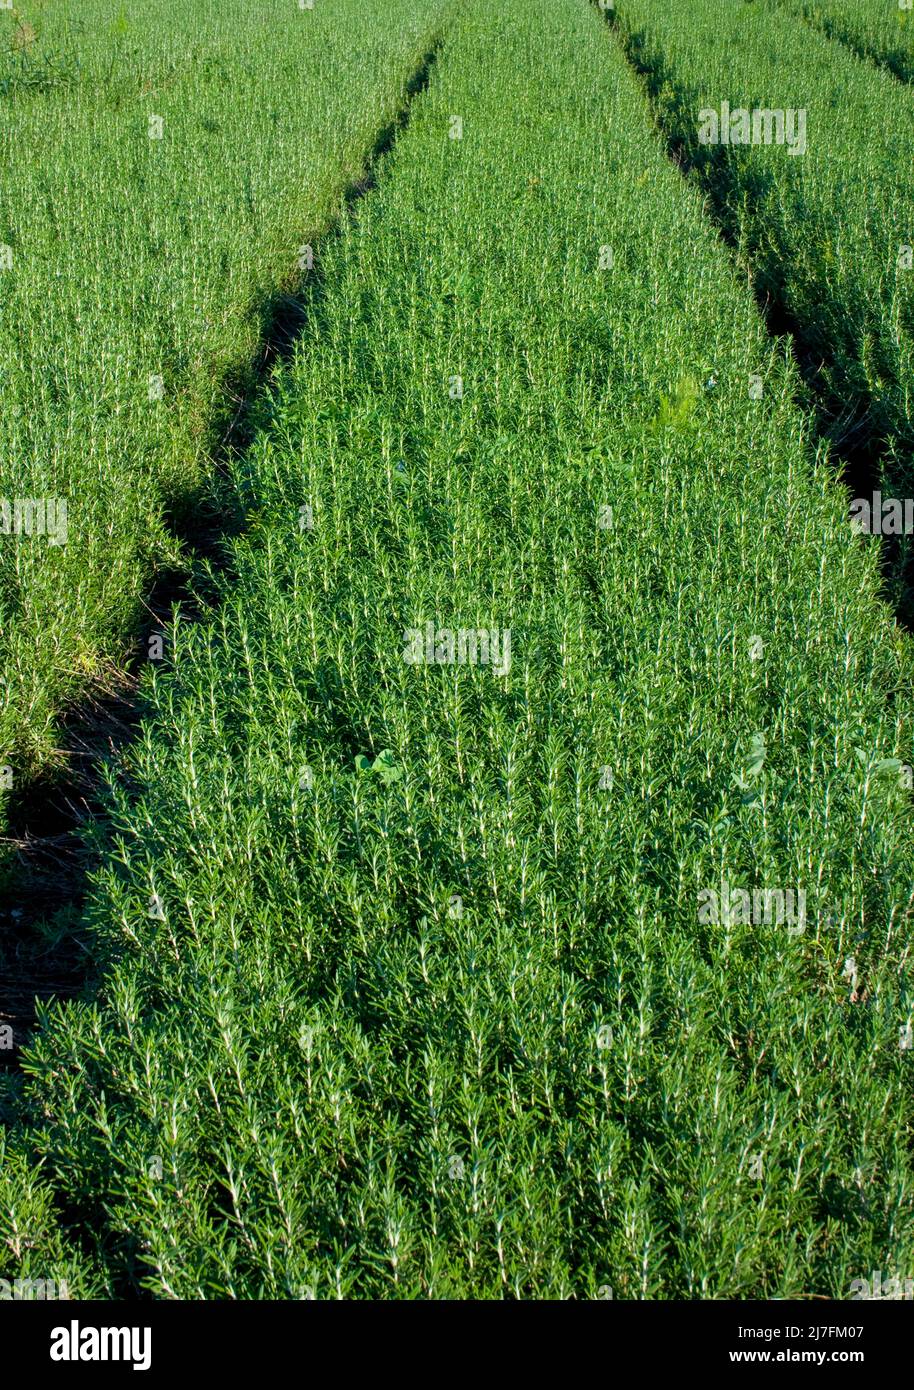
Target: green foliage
821,232
28,67
384,766
464,1033
145,274
879,30
32,1243
676,410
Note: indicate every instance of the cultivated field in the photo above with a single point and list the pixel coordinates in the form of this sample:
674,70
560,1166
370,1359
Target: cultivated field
179,159
508,890
881,30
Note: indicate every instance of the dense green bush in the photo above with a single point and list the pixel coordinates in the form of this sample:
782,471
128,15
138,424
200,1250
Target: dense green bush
824,233
411,986
138,276
879,30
